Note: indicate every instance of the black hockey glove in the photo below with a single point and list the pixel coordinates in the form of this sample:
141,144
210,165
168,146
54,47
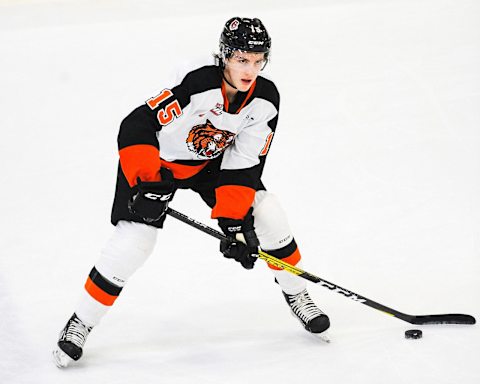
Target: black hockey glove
237,250
151,201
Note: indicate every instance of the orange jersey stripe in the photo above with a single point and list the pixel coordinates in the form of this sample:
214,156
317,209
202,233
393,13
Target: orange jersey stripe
225,98
250,91
181,171
140,160
293,259
232,201
226,104
98,294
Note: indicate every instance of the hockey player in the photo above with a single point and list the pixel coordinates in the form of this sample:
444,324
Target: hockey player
209,132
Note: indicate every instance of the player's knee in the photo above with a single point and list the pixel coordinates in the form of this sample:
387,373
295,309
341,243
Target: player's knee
128,248
271,223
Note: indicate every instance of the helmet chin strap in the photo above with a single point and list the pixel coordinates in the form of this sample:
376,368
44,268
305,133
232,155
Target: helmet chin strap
224,78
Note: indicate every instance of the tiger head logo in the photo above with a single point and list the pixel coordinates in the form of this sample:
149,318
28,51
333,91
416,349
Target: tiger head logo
208,142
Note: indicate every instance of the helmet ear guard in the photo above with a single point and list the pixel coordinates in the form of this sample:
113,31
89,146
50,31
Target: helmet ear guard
225,51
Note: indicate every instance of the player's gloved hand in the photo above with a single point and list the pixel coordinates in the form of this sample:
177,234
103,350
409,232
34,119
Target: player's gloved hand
151,200
245,254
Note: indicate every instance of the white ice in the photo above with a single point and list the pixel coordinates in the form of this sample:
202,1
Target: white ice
376,160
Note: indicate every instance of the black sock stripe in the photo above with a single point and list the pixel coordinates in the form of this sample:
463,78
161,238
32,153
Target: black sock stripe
283,252
104,284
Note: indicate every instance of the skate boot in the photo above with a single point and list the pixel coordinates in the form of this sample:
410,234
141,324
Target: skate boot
70,342
305,310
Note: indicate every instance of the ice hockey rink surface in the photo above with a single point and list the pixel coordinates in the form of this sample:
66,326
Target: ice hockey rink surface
376,160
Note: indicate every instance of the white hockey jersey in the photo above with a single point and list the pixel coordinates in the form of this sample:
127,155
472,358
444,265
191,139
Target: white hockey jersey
191,123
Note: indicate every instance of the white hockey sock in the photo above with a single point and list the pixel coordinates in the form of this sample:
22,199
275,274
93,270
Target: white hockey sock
290,284
89,310
128,248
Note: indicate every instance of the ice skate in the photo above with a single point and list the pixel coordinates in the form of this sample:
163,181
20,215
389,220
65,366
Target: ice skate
309,315
70,342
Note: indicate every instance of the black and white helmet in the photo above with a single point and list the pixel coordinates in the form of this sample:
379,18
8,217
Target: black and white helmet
244,34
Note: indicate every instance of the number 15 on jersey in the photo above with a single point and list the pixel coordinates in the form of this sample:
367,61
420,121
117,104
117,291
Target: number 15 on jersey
167,114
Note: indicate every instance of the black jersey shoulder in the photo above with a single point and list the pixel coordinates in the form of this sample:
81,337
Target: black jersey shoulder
267,90
202,79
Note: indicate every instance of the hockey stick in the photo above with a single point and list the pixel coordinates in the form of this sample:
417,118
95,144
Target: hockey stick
453,318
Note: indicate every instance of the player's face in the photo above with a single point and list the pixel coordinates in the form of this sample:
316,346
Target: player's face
242,68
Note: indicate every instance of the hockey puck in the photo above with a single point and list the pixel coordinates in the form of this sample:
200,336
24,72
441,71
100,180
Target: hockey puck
413,334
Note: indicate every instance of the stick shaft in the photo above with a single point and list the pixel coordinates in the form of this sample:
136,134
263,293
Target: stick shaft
412,319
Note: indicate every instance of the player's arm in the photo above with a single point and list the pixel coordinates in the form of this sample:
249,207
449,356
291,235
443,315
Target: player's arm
137,140
140,156
236,187
138,146
236,191
242,166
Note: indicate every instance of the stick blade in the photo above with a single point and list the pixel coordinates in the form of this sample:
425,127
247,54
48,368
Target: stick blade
453,318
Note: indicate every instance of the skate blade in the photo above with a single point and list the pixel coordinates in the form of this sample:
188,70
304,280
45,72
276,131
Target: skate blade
60,358
324,336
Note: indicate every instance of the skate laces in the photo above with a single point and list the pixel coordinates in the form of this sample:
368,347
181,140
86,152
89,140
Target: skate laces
76,332
303,306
